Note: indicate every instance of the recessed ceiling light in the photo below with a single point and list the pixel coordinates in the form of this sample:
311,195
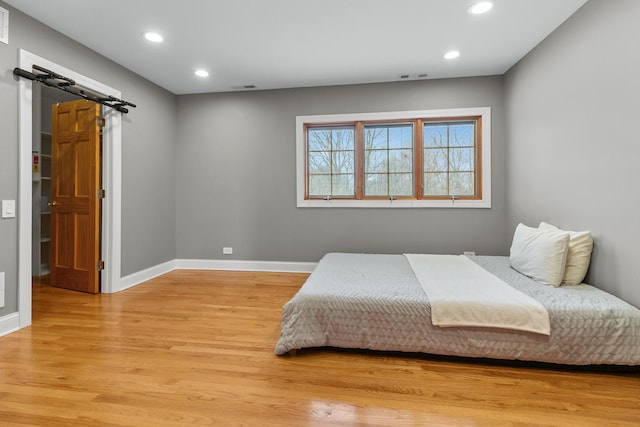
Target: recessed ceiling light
480,7
153,37
452,54
202,73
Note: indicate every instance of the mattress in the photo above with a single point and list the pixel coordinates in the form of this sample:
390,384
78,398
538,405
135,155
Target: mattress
375,302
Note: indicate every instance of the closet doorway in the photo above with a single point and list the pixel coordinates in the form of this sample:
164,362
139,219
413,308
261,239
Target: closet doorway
111,227
66,191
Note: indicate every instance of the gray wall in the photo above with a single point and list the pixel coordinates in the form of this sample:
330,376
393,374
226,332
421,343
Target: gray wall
8,173
236,182
205,171
148,137
572,137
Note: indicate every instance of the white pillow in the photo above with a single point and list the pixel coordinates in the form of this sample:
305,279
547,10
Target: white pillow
578,256
539,254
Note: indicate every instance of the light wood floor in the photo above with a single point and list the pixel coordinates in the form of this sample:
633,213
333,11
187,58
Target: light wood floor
196,348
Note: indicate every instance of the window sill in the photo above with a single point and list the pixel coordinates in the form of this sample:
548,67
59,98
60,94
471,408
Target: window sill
336,203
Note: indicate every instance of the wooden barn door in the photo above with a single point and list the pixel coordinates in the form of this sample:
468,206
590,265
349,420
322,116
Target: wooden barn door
75,198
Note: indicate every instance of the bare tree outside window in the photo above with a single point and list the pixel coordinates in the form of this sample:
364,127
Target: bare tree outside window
388,165
331,162
449,159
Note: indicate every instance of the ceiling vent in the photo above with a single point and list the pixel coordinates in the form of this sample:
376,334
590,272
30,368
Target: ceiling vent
4,26
413,76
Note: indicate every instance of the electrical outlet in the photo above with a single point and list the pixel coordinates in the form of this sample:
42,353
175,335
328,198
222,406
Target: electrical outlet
227,251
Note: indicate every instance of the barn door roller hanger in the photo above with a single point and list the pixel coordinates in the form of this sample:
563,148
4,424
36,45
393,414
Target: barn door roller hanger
68,85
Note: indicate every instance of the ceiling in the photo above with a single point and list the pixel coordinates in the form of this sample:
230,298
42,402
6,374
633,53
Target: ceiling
295,43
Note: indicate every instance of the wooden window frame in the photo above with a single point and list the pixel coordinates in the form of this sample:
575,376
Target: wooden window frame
478,156
481,199
306,163
363,124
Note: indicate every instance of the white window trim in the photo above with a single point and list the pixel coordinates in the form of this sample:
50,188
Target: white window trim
485,202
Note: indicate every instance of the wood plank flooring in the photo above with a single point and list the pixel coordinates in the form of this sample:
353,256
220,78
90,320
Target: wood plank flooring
196,348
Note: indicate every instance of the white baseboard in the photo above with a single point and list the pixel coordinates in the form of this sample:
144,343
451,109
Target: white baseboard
146,274
239,265
214,264
9,323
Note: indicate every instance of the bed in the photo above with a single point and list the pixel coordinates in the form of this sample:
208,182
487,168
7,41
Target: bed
376,302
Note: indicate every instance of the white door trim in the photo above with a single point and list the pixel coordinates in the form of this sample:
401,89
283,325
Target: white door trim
111,178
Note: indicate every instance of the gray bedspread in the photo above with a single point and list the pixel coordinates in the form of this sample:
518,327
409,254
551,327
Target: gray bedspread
374,301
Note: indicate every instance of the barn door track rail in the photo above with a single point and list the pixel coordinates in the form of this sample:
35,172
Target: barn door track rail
68,85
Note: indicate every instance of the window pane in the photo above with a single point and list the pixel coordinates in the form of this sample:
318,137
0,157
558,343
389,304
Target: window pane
435,160
435,135
343,162
461,159
342,139
401,136
461,184
388,136
461,135
319,162
343,185
401,160
319,185
400,184
327,139
376,185
319,139
375,137
376,161
435,184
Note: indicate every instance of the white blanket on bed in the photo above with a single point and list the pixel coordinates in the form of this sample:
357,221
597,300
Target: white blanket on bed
462,293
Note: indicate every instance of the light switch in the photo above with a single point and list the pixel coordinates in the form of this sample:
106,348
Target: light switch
8,209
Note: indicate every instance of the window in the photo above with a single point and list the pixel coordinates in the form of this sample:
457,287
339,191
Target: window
435,158
449,158
388,160
331,161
